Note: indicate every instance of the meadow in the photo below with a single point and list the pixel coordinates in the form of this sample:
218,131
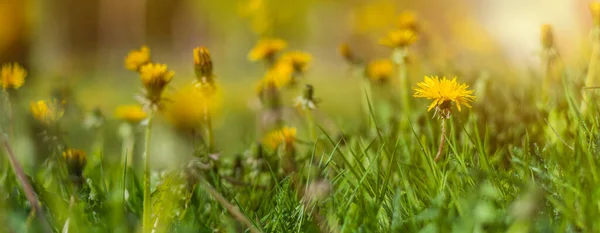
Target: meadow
417,140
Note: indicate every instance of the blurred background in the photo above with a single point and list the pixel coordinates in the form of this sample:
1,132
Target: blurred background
77,47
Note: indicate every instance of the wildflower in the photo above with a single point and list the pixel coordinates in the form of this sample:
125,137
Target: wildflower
595,11
47,112
399,38
137,58
285,136
189,106
379,71
155,78
266,49
443,92
76,161
12,76
298,60
203,63
277,77
131,113
408,20
547,38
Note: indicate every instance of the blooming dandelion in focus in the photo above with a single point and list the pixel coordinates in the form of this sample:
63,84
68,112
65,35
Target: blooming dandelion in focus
266,49
131,113
47,112
137,58
443,92
12,76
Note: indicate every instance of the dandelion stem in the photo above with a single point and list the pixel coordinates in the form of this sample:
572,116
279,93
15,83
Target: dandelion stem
399,57
210,139
147,212
442,141
311,124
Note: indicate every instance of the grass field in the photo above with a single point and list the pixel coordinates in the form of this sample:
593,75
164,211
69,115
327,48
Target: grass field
380,147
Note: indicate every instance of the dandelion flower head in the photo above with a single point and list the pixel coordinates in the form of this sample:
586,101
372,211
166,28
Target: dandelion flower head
284,136
47,112
379,70
399,38
444,91
266,49
131,113
12,76
137,58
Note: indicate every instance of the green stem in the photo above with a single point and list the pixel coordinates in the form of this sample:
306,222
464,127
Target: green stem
442,141
147,212
210,139
311,124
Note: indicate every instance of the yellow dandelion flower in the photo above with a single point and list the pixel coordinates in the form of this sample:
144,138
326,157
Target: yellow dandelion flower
297,59
12,76
277,77
443,92
285,136
546,37
155,78
131,113
76,161
379,70
399,38
189,106
203,63
137,58
47,112
595,11
266,49
408,20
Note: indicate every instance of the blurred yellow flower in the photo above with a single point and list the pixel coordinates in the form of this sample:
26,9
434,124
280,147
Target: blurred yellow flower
546,37
12,76
408,20
189,106
137,58
399,38
277,77
285,136
297,59
266,49
347,53
203,63
47,112
379,70
76,161
443,92
595,11
132,113
155,78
